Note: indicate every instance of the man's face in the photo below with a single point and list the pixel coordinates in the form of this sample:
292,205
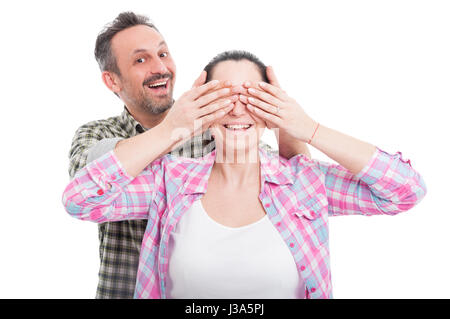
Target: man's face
147,69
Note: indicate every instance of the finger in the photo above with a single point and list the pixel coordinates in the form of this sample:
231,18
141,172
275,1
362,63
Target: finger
249,84
271,77
273,90
264,96
200,80
210,118
221,103
212,96
222,84
264,106
266,117
243,98
206,89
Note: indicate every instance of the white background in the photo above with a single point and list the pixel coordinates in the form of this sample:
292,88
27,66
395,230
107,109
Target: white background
376,70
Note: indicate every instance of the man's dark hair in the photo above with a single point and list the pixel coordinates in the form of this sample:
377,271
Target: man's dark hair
103,52
235,55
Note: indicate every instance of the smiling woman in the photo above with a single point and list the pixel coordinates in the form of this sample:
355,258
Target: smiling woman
250,226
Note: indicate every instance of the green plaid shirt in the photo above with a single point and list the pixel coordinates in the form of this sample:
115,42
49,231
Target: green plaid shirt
120,242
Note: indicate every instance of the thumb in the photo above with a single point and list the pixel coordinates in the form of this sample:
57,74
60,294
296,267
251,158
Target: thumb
271,77
200,80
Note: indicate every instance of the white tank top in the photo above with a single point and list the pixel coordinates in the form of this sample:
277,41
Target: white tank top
210,260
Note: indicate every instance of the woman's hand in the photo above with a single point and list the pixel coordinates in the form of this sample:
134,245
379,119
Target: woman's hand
278,110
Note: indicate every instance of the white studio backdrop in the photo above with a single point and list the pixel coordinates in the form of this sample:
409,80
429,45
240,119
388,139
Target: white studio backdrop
376,70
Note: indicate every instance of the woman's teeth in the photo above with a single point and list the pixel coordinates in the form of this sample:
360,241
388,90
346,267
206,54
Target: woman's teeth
237,126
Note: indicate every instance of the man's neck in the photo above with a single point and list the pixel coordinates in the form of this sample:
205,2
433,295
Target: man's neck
147,120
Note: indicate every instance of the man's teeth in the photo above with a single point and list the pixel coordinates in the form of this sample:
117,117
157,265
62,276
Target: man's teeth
237,126
157,84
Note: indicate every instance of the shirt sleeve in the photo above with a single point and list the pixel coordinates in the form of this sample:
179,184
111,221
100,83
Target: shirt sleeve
102,191
85,136
386,185
101,147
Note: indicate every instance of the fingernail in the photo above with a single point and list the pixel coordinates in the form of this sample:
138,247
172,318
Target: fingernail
251,99
214,82
262,84
251,90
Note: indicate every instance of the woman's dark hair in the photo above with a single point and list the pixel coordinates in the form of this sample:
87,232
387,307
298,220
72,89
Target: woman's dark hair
235,55
103,53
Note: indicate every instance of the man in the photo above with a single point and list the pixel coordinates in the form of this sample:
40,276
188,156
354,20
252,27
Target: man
137,66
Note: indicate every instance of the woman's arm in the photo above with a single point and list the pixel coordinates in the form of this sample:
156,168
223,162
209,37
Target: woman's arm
351,153
367,180
103,191
387,184
279,110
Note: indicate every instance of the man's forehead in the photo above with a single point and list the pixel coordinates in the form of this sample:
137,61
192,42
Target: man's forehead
137,39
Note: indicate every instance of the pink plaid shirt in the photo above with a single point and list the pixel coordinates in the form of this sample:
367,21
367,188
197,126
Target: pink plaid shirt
298,195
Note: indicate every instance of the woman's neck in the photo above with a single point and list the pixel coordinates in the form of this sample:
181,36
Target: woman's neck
240,169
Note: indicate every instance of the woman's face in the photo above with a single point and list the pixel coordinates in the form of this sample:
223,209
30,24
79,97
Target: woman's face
237,130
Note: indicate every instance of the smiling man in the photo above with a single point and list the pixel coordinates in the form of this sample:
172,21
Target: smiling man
137,66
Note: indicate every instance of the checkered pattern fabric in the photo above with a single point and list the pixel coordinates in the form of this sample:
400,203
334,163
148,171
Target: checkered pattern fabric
298,196
120,242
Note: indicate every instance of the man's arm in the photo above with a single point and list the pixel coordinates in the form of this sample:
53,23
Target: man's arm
85,137
191,114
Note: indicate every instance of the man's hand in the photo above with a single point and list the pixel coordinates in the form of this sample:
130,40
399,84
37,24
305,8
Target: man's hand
198,108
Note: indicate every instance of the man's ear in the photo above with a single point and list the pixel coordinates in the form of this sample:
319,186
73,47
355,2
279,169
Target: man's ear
112,81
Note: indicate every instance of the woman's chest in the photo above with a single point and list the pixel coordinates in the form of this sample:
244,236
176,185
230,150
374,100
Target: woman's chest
233,208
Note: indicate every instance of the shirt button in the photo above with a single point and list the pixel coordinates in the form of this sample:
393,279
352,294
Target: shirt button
278,224
291,245
302,268
267,205
100,192
313,289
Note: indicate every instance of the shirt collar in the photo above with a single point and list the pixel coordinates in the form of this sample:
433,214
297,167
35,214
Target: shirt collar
274,169
130,123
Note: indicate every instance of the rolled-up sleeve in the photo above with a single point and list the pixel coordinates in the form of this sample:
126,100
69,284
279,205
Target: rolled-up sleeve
386,185
102,191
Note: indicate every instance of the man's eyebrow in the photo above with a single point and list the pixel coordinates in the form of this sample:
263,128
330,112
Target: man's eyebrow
145,50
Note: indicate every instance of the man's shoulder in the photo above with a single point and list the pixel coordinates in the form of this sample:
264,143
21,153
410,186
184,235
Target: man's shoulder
113,121
110,127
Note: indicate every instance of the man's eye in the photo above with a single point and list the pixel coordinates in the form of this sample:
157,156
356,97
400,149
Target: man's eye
163,55
140,60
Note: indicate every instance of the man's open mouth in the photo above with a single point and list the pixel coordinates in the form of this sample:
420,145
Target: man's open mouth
159,86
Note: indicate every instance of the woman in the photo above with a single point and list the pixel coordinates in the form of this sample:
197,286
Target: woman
240,222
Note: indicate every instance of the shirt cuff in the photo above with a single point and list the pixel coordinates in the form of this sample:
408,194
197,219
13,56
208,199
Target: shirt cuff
378,166
108,173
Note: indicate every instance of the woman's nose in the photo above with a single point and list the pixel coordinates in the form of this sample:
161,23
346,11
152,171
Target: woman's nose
238,109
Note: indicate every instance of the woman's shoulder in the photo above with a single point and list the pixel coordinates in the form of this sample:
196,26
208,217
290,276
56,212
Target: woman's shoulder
176,165
298,161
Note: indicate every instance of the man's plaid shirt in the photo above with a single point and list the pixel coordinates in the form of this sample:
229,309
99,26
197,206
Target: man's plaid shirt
120,242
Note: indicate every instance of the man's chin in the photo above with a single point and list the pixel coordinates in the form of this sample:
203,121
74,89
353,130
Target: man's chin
158,108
